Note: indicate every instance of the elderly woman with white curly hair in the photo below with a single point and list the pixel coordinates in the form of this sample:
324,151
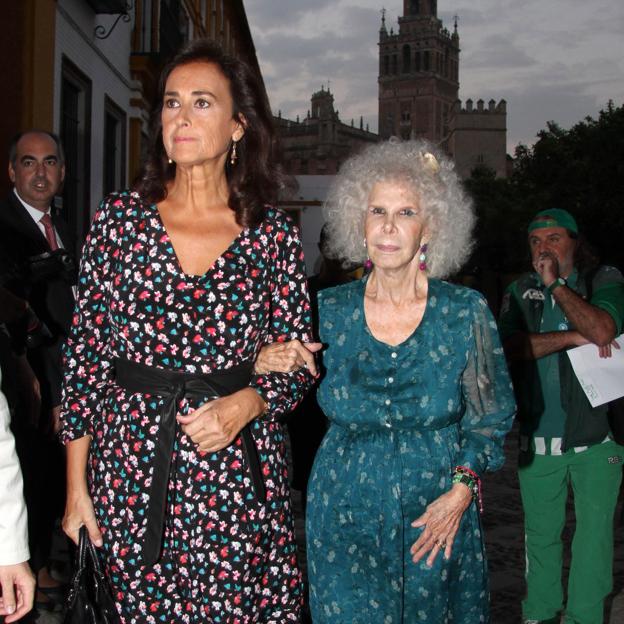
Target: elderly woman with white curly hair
418,398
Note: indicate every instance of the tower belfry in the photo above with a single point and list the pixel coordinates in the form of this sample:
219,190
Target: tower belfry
420,8
418,74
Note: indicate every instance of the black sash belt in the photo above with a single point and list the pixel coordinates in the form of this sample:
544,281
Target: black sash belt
173,387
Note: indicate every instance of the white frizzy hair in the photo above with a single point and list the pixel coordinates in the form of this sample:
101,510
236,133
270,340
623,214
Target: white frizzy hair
446,208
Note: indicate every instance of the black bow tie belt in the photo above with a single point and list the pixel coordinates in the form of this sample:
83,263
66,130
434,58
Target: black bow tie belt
172,387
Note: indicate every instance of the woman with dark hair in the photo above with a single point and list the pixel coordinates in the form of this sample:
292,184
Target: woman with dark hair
182,280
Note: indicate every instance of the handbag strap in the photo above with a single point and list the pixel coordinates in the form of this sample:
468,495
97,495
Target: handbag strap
95,559
83,541
87,549
80,564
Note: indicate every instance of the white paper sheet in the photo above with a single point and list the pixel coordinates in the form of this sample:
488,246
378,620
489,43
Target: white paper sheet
602,379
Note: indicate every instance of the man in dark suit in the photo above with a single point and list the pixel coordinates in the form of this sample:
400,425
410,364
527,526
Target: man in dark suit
39,268
38,243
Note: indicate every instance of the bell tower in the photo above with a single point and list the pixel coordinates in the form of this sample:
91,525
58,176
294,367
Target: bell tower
418,74
420,7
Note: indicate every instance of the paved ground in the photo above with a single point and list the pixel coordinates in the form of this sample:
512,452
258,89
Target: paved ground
504,539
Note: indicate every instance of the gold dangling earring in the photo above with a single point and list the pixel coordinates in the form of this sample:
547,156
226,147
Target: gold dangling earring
233,156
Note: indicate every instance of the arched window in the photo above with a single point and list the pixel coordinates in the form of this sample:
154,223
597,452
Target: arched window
407,59
415,7
386,65
426,60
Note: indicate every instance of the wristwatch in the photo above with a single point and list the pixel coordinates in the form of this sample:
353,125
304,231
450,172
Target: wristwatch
560,281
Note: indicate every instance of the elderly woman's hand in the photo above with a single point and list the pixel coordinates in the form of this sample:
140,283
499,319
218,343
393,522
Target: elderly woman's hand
215,424
441,522
285,357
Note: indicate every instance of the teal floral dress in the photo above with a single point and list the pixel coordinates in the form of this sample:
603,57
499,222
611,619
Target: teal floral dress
401,418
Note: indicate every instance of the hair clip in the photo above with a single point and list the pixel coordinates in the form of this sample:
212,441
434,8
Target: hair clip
430,162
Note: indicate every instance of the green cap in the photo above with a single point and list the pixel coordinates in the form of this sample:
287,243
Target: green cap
554,217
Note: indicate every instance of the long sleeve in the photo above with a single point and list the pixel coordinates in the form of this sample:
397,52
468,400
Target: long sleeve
290,320
13,518
86,353
488,396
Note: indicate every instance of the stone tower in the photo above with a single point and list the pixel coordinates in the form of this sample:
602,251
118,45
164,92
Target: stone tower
418,74
323,105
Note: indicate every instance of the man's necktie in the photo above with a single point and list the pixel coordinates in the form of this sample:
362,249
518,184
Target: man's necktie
49,231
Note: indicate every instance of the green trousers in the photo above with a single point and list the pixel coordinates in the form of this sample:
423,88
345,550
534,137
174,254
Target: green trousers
595,477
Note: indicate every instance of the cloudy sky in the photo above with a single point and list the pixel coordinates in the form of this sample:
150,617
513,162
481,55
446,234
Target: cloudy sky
550,59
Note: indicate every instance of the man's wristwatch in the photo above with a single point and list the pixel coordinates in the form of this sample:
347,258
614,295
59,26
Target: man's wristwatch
560,281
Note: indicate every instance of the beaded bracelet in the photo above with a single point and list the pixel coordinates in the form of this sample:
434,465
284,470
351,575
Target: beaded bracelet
471,479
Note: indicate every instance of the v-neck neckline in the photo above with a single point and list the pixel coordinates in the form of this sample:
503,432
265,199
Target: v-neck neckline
172,251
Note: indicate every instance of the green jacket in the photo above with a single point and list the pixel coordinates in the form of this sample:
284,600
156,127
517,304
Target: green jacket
521,311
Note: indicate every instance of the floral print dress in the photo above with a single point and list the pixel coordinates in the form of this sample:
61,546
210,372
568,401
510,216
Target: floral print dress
226,557
401,418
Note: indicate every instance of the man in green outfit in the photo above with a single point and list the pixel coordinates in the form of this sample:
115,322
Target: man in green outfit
568,301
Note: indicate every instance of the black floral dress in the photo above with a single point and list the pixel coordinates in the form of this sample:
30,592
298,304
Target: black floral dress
226,557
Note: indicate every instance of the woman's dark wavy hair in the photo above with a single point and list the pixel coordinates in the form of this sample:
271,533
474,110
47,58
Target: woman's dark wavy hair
256,178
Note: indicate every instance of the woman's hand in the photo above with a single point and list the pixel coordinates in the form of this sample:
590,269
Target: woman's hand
78,505
441,522
78,512
285,357
215,424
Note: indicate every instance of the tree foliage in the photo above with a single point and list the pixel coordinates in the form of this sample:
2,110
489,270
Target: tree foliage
580,169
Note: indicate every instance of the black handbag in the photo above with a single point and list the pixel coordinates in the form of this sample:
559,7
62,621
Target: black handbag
89,600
